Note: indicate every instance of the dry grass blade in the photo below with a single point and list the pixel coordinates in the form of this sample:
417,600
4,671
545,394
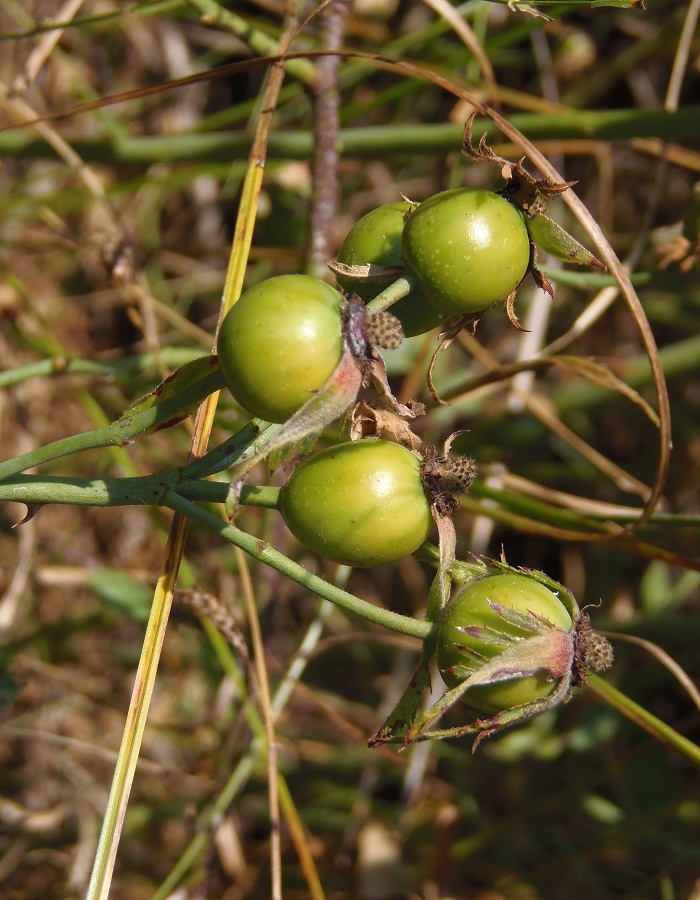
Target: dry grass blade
526,488
163,597
628,292
542,410
588,369
268,720
446,11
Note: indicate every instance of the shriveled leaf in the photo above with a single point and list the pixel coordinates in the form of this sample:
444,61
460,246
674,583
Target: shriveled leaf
382,423
367,273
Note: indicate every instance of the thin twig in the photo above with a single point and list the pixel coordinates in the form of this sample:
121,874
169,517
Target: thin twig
326,111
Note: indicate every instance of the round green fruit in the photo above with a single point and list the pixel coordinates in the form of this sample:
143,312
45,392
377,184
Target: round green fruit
376,238
468,621
280,343
468,248
359,503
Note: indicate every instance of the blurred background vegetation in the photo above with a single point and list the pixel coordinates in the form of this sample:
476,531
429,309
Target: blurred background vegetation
115,233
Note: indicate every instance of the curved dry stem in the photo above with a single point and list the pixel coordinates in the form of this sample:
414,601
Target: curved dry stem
630,296
464,31
542,410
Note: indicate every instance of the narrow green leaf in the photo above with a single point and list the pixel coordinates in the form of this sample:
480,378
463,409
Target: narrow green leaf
122,592
552,238
618,4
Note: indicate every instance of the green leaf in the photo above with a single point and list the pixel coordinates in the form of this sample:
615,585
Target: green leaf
181,379
403,715
122,592
618,4
552,238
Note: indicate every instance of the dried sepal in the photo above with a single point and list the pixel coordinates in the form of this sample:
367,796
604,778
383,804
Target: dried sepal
367,273
542,282
511,313
445,474
529,193
366,421
451,328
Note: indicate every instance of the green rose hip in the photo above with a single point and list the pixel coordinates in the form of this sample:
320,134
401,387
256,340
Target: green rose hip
468,249
360,503
376,238
474,631
280,343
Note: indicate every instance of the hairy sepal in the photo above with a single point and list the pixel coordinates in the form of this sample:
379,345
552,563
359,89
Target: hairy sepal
332,401
551,651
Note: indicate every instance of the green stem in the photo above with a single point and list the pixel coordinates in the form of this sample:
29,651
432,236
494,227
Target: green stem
120,432
131,365
145,490
593,281
393,293
619,124
644,719
263,552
